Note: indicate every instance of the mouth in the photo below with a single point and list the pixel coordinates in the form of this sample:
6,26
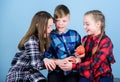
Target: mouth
60,27
87,30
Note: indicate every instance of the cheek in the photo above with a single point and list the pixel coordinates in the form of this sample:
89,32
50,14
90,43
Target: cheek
66,24
48,31
56,24
93,28
86,27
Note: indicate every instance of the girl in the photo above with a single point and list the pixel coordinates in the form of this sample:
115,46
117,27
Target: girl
27,63
96,65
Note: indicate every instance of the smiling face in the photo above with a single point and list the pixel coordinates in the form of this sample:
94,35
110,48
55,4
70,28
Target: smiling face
91,26
61,23
49,27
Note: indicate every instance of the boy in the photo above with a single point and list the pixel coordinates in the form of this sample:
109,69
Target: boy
63,43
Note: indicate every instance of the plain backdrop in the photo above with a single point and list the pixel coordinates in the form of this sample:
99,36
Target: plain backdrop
16,16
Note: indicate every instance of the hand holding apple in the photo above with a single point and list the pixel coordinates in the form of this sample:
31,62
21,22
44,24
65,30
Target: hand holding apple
80,50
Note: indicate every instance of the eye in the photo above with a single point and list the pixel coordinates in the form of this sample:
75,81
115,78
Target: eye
87,24
57,20
64,20
49,27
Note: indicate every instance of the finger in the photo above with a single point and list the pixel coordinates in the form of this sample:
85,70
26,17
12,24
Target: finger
47,67
53,66
50,68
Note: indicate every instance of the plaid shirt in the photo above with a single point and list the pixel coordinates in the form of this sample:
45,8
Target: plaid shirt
98,65
63,45
27,63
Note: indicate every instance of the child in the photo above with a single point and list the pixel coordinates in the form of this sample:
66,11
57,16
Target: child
27,63
96,65
64,41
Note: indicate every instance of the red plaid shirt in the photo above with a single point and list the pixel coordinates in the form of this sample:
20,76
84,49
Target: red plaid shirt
99,65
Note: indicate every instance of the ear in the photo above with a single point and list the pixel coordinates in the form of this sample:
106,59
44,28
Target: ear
98,23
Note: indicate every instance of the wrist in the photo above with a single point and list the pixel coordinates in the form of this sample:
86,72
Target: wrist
56,61
44,59
78,60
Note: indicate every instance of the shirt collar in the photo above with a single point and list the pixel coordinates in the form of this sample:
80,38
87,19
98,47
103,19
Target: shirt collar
95,38
56,31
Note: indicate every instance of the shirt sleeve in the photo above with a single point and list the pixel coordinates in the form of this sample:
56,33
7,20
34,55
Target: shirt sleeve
78,41
32,49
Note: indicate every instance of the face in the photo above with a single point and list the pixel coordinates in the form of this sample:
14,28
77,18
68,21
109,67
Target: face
49,27
61,23
91,26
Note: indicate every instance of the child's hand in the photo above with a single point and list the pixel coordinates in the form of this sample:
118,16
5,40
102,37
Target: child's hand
60,62
67,66
74,59
79,56
49,64
78,60
71,59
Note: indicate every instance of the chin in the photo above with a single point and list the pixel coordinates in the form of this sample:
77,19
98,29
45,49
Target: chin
61,30
89,33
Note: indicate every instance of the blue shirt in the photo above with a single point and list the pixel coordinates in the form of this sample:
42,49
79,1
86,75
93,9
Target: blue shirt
64,44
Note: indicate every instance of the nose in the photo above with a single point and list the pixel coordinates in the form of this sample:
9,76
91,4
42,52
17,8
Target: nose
60,22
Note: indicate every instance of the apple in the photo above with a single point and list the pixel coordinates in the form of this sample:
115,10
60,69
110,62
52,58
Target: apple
80,50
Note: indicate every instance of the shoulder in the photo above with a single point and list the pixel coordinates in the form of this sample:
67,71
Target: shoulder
33,37
32,40
85,37
73,32
53,34
106,37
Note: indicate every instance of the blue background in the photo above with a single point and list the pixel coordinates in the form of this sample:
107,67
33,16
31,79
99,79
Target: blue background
16,15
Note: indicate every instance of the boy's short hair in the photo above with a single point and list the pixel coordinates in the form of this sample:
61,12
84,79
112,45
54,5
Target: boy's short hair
61,11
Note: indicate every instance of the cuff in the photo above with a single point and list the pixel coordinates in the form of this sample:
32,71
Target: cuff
73,65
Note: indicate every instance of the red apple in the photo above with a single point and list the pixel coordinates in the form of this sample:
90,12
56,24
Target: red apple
80,50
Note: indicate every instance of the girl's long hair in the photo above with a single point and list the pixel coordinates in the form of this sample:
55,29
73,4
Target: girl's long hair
38,28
